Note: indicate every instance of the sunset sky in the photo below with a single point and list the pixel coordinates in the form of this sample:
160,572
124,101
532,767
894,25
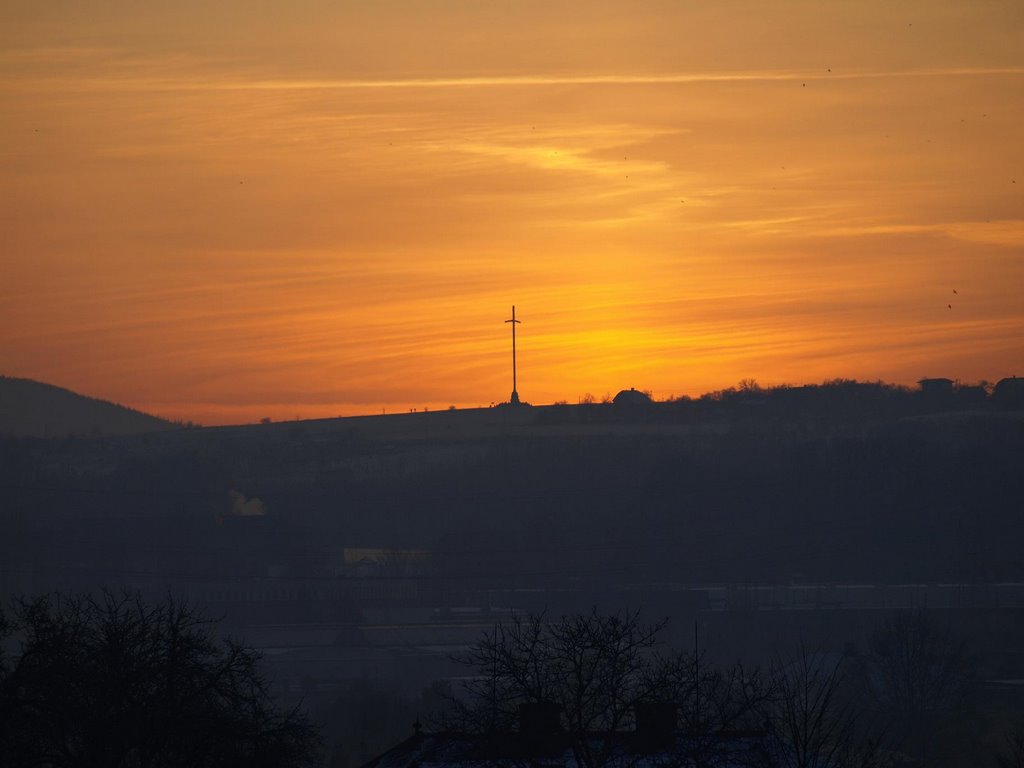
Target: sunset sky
220,211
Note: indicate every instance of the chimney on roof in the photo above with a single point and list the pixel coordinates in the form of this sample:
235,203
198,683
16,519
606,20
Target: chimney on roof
655,725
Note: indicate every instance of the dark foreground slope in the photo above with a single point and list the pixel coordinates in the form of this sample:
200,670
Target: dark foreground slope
31,408
854,484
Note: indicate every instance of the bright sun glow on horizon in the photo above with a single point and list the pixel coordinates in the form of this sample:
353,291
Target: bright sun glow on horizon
219,212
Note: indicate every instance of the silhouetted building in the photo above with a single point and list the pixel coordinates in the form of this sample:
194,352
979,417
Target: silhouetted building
655,726
936,387
1009,393
540,729
971,395
541,740
632,400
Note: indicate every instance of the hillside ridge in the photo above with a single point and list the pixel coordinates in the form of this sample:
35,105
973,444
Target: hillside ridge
30,408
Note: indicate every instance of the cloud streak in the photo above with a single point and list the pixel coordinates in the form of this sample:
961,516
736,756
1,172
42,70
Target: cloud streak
227,81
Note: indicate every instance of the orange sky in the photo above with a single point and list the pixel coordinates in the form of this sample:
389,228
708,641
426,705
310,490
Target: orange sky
221,211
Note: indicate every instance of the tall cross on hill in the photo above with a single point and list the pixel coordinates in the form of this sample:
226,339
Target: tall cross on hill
514,400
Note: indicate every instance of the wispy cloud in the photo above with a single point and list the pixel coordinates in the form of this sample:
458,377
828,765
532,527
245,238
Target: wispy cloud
227,80
671,78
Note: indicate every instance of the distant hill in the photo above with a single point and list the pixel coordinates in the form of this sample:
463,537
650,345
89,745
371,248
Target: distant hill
31,408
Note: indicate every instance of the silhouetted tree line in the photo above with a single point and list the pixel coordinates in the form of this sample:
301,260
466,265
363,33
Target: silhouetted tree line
903,700
112,681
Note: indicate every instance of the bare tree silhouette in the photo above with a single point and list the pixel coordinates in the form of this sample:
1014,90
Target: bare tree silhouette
596,669
1013,757
110,680
916,672
813,722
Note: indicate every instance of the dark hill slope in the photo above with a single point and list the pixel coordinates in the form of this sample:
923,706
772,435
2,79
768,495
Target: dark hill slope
31,408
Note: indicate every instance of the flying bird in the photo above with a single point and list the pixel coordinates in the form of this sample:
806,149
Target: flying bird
950,306
954,291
